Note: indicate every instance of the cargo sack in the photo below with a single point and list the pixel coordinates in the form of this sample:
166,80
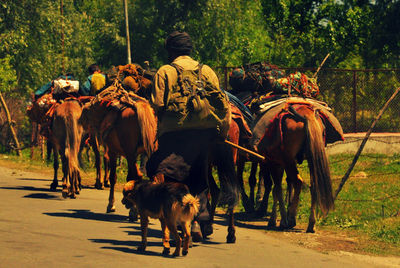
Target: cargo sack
196,103
65,86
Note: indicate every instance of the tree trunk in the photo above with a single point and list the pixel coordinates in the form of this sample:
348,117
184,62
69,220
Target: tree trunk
9,121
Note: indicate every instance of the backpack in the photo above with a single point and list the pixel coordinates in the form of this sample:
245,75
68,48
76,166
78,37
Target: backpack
97,83
196,103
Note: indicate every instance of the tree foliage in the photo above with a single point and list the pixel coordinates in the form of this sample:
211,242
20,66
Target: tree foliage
296,33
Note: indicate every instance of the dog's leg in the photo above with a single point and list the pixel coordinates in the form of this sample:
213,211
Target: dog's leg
165,238
171,224
186,231
144,222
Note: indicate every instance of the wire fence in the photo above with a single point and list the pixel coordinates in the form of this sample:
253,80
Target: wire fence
355,96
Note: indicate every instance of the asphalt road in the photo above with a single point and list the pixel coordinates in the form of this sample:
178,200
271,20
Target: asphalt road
39,228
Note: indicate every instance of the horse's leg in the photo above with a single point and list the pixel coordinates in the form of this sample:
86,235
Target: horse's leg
49,147
65,167
97,162
214,192
106,178
277,174
133,171
311,220
260,186
252,184
240,168
54,184
226,173
113,180
81,147
294,187
265,175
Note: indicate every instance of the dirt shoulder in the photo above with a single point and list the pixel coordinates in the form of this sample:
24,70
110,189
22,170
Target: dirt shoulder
330,241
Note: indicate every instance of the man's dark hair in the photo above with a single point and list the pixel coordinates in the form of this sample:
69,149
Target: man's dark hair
179,43
93,68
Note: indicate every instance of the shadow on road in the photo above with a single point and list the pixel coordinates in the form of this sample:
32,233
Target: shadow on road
137,230
42,196
131,246
256,225
33,179
88,215
29,188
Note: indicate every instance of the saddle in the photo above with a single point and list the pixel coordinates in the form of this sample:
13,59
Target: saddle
267,120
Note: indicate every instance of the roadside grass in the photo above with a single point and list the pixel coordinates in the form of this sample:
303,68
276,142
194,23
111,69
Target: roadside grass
369,202
368,207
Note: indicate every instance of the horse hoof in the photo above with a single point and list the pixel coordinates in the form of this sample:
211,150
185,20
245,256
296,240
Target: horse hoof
230,239
107,184
110,209
99,186
141,248
260,213
271,224
291,223
65,193
53,187
166,251
206,229
176,254
310,230
184,252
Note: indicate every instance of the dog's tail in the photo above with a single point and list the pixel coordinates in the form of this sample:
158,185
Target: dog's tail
190,205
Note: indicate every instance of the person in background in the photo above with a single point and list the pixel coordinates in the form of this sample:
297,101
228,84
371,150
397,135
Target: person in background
95,82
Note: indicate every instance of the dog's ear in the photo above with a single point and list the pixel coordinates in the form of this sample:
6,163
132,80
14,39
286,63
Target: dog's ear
128,187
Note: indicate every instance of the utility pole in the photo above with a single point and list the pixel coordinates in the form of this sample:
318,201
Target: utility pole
128,43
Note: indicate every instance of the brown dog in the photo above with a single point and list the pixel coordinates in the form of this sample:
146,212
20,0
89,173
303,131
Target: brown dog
171,203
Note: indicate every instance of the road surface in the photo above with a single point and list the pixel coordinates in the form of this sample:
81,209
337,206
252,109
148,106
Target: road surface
38,228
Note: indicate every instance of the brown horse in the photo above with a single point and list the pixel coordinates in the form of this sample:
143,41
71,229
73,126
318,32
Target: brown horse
125,133
66,133
297,133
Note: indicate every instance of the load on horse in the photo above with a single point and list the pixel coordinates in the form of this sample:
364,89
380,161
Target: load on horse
58,112
290,126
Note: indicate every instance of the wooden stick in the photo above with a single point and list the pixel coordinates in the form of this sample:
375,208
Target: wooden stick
346,176
10,124
320,66
245,150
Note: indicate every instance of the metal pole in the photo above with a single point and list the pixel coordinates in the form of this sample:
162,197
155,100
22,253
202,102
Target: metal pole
62,36
128,43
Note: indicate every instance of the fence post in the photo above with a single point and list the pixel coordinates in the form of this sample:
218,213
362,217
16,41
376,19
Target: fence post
354,110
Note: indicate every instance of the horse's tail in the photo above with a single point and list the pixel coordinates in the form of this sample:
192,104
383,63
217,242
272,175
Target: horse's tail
321,185
72,144
148,126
